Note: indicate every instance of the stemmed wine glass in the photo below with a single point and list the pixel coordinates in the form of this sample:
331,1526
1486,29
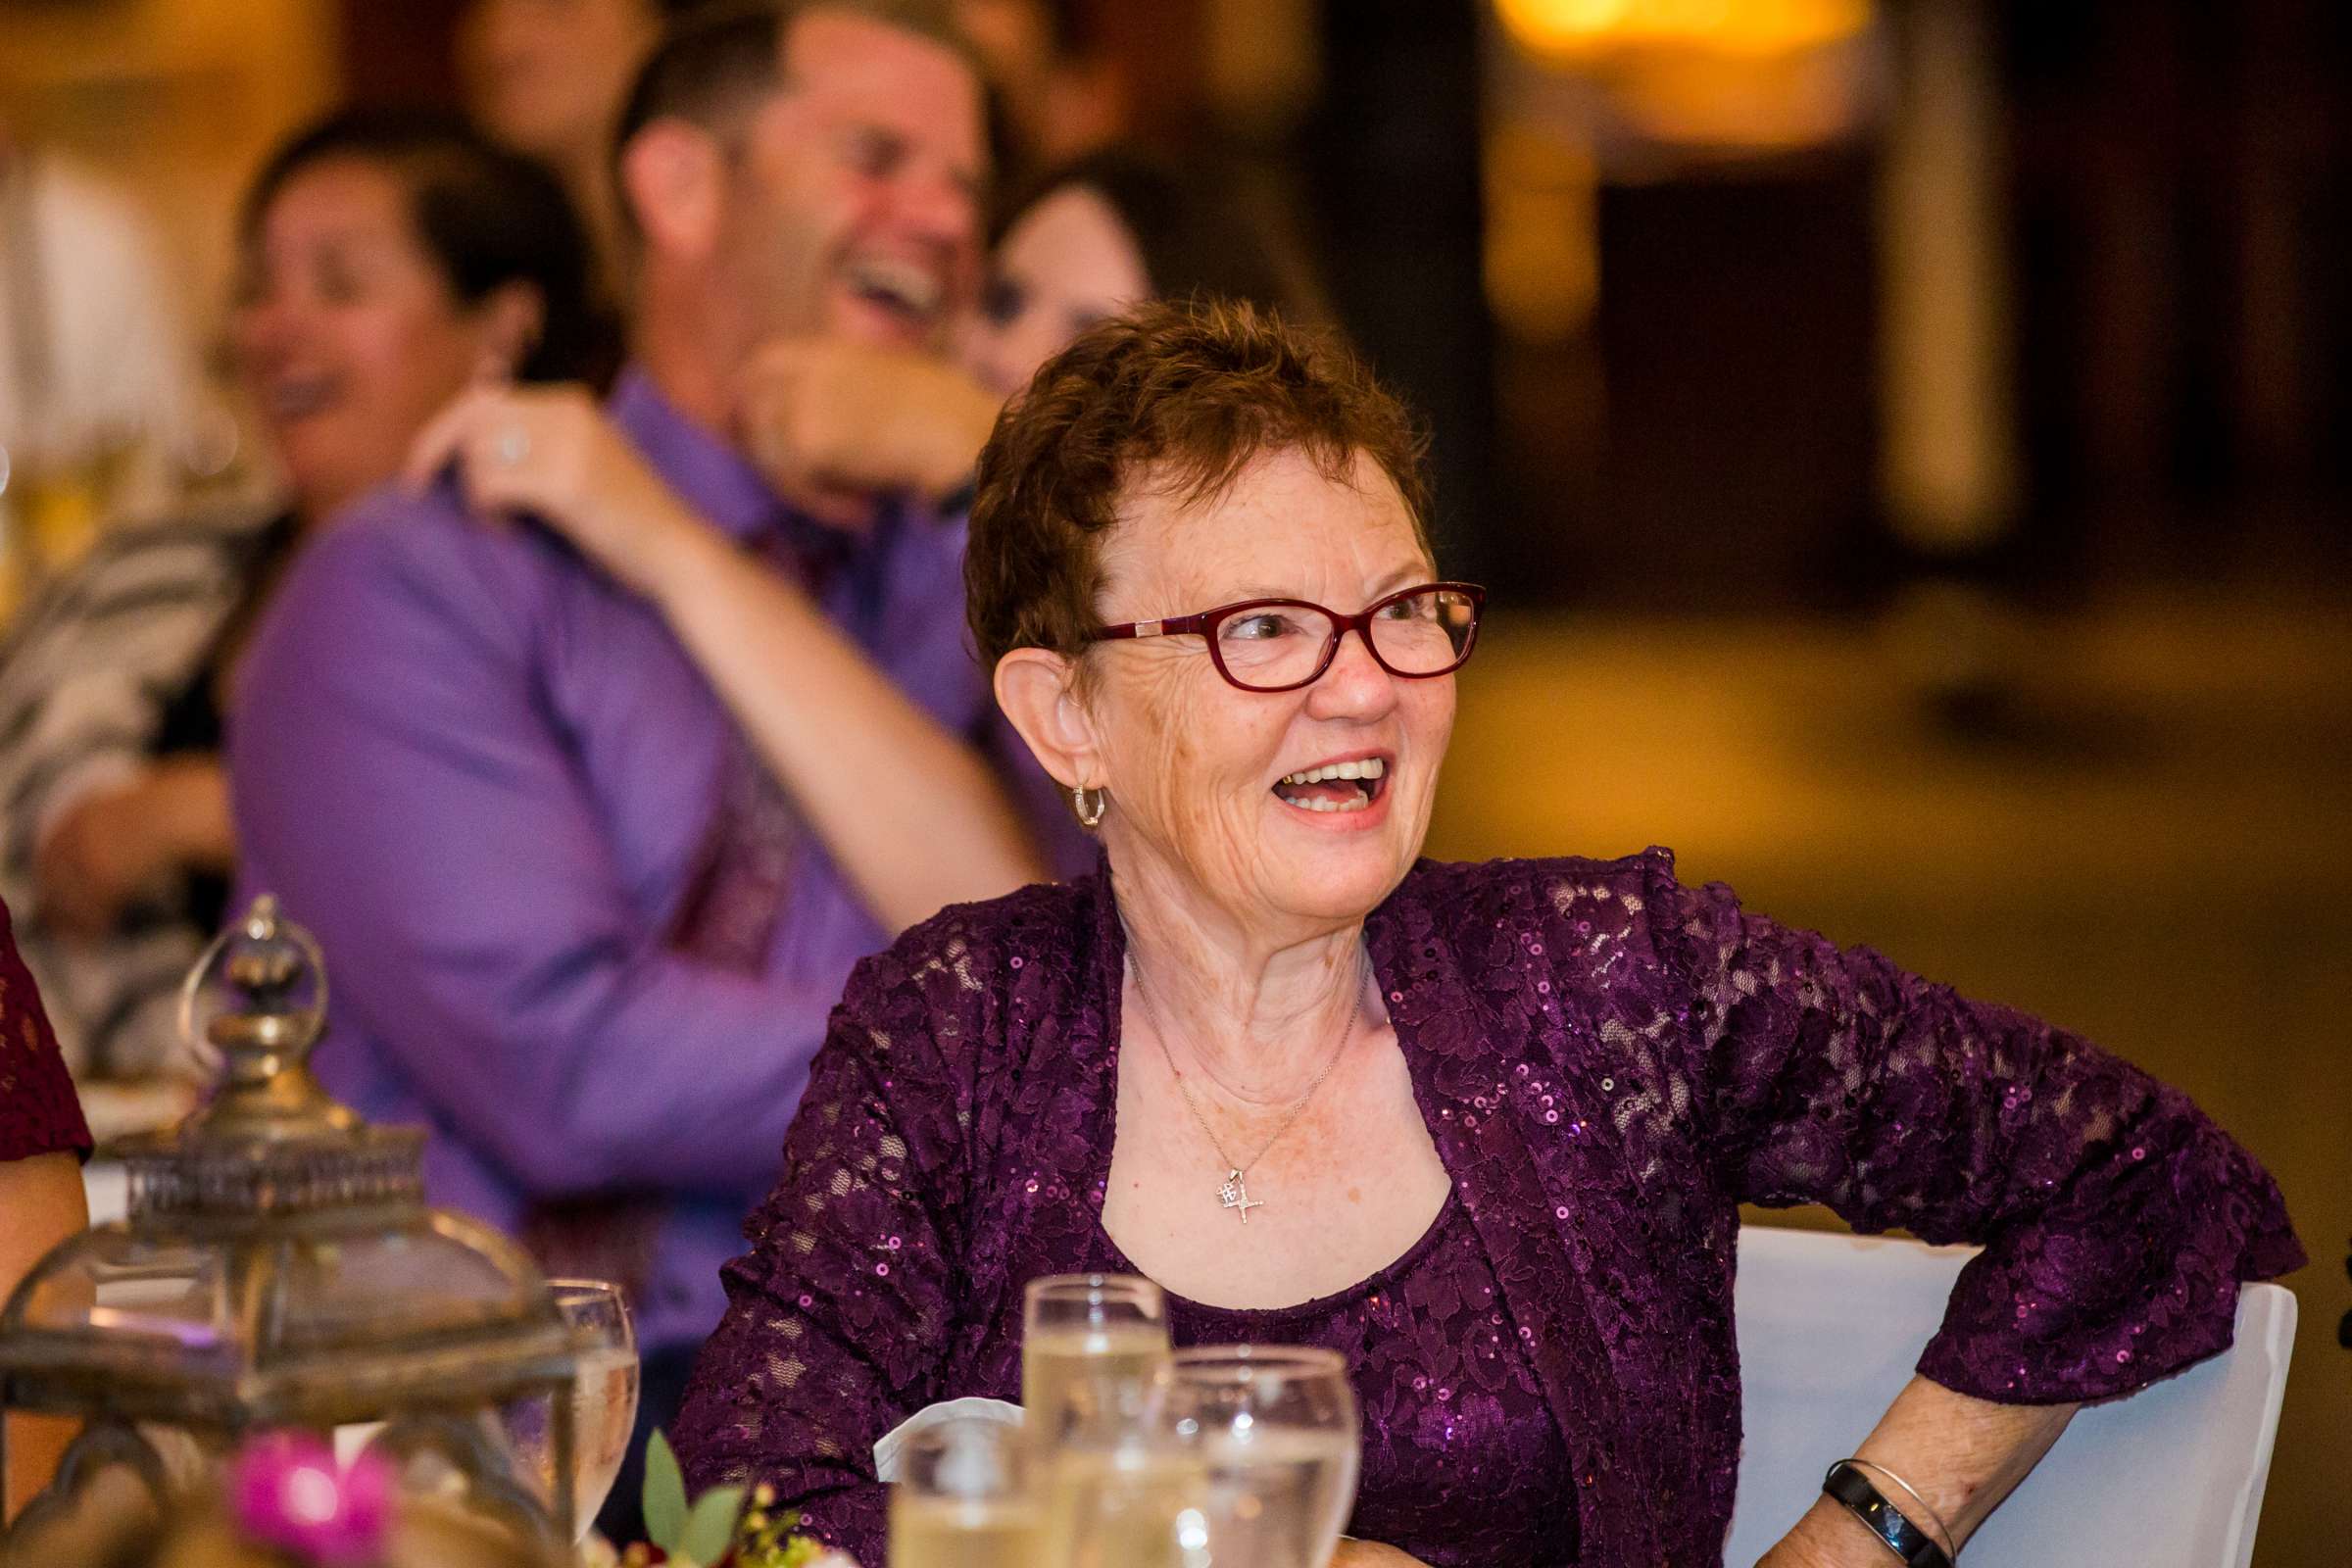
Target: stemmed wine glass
603,1402
1273,1429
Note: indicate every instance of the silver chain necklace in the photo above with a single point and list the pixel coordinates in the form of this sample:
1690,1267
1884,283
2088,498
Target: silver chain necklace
1233,1192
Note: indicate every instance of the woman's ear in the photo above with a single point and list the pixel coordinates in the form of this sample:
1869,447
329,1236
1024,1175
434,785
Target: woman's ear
1037,690
673,177
512,317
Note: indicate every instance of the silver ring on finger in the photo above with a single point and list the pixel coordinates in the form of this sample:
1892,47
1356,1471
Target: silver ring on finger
513,444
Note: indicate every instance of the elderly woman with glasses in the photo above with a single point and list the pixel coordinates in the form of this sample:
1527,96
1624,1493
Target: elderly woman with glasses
1483,1129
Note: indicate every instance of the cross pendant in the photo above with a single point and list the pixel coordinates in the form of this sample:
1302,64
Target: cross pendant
1235,1194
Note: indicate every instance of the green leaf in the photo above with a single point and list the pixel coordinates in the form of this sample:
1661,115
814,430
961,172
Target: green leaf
664,1495
710,1528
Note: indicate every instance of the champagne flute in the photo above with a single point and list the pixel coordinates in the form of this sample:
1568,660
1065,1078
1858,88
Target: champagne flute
604,1400
1273,1429
963,1499
1086,1337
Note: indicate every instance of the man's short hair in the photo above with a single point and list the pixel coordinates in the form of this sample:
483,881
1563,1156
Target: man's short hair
716,62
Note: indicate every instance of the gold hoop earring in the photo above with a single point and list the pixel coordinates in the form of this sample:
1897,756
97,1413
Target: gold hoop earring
1089,810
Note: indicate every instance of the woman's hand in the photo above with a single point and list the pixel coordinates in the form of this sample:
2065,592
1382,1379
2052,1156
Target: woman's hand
121,842
833,424
550,451
1353,1553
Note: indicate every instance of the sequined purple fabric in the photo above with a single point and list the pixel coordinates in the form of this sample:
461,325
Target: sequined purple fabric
1609,1062
1450,1405
40,1111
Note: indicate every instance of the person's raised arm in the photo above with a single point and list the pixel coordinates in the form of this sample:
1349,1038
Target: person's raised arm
402,786
2117,1221
839,1320
910,811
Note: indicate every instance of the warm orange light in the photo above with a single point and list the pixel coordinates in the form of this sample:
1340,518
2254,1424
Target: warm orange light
1578,29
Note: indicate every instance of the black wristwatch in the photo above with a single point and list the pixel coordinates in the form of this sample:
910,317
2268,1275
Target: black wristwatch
1849,1486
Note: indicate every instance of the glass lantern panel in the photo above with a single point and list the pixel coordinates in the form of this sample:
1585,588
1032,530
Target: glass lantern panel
115,1283
371,1288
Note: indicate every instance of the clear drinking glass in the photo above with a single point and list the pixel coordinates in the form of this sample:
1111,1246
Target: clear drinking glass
1085,1339
1114,1484
963,1499
1117,1487
1273,1430
603,1402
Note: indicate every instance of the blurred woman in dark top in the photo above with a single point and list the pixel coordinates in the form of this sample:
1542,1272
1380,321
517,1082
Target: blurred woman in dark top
387,259
1106,232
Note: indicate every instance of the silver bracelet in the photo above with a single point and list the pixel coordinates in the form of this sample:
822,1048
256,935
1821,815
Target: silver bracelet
1950,1548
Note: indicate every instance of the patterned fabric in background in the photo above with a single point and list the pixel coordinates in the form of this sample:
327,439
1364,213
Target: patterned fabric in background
90,677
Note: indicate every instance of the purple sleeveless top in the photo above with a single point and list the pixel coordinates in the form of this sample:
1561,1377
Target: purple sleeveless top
1450,1405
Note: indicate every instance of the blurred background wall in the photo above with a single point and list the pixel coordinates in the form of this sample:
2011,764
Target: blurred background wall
1907,442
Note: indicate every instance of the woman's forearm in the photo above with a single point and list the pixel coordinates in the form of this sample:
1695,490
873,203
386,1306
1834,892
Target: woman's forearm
1962,1455
908,810
41,1203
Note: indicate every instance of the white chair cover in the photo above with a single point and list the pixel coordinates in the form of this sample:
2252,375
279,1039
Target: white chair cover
1830,1328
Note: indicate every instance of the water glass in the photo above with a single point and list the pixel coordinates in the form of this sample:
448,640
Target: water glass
963,1499
1273,1430
1089,1345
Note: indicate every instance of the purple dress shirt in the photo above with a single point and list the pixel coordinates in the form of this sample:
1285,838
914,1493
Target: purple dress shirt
1609,1063
484,774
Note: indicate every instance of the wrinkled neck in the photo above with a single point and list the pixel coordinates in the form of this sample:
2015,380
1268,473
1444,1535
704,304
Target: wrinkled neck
1258,1012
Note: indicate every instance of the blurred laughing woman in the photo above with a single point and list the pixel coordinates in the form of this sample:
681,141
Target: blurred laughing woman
1502,1115
389,259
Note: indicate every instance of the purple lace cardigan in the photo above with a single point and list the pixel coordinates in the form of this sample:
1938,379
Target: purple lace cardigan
1609,1062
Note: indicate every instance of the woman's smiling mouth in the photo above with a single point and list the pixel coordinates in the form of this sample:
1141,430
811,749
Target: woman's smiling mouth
1347,786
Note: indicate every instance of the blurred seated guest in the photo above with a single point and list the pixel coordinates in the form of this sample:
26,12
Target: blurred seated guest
388,259
100,400
547,78
1484,1129
1085,242
1102,234
591,873
42,1143
835,414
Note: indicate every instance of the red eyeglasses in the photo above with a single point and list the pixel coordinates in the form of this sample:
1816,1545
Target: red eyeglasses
1279,645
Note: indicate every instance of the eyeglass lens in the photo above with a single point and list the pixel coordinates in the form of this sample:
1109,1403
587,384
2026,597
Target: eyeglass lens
1422,633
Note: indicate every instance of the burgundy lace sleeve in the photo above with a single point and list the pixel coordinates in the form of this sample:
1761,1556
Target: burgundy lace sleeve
40,1111
2117,1220
838,1318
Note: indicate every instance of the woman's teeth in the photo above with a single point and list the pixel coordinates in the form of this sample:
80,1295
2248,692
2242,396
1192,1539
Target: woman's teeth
901,286
1360,803
1316,795
1367,768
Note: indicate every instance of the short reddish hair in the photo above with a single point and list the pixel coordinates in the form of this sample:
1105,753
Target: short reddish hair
1186,392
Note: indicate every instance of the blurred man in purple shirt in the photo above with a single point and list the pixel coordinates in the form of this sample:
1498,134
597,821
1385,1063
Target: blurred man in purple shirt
591,829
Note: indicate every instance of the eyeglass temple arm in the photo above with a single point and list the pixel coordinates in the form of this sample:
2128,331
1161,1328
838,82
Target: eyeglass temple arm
1157,628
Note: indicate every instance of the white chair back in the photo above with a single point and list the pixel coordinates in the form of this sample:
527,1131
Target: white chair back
1829,1329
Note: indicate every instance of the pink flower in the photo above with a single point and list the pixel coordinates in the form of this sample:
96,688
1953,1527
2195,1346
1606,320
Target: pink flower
289,1492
